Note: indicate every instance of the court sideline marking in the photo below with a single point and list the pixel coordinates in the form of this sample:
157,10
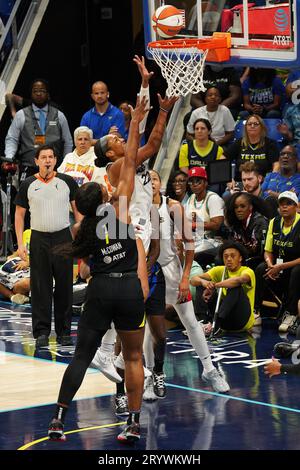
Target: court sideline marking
205,392
246,400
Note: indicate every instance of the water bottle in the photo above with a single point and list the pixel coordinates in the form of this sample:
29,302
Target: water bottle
233,170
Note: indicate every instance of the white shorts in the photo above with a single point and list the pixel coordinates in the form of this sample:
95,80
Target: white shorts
173,273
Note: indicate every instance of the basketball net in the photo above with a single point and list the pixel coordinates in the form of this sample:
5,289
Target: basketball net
182,60
181,68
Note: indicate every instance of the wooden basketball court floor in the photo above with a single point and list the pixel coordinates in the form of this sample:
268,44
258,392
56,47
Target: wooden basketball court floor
257,414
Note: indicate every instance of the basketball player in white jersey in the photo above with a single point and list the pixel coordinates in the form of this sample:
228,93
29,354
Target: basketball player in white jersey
101,145
172,219
112,148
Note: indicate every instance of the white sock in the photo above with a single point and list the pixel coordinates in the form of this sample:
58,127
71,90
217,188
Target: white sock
108,341
148,348
195,333
120,361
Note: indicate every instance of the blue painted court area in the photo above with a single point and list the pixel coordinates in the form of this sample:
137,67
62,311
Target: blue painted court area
257,414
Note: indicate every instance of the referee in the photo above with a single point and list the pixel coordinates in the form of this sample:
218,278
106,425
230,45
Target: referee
47,195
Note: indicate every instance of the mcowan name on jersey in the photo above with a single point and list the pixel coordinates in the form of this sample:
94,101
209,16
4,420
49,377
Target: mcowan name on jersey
112,248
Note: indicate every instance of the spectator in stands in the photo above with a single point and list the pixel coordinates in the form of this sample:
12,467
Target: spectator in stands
201,150
35,125
254,146
280,271
246,218
228,82
236,311
291,89
80,164
103,118
287,179
205,210
219,116
178,188
125,107
251,180
16,102
263,94
251,184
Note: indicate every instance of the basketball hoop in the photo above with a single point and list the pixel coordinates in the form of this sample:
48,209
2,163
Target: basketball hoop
182,61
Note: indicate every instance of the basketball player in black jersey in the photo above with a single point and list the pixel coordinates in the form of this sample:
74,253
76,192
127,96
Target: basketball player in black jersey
117,290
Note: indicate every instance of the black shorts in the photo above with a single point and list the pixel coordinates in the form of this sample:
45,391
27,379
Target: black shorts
156,302
114,299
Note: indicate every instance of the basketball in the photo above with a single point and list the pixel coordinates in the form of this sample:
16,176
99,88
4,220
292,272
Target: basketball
167,21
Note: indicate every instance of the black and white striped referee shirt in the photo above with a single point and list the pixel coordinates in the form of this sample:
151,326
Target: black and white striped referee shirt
48,201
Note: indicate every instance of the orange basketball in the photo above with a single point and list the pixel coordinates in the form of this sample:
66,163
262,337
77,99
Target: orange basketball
167,21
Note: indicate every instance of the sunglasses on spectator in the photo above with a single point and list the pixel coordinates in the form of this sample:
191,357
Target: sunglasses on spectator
253,124
195,181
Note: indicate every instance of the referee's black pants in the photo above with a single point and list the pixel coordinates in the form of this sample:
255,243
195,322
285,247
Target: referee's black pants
44,267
